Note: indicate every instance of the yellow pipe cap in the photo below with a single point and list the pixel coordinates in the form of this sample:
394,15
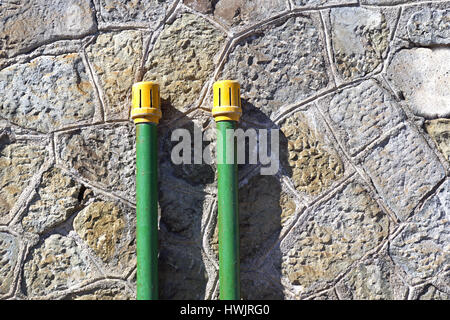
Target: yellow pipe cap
227,100
145,102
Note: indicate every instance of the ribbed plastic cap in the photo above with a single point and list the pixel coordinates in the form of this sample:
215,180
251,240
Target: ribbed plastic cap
227,100
145,102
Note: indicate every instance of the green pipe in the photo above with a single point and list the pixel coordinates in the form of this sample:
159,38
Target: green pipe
227,111
147,211
228,219
146,113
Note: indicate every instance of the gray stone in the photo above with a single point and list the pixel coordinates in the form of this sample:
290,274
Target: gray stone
422,248
359,38
373,280
148,12
104,155
105,290
439,130
359,115
57,264
279,65
403,169
386,2
57,197
19,162
431,293
429,27
115,58
181,264
422,77
257,286
48,93
9,254
242,12
321,3
203,6
335,234
182,60
25,25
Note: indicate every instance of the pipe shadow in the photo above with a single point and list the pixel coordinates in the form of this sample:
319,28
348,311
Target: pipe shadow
182,201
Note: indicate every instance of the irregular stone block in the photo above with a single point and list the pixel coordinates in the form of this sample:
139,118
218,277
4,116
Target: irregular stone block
149,12
313,162
422,77
373,280
428,27
359,115
116,57
182,60
25,25
386,2
335,234
9,254
19,161
48,93
56,264
104,155
439,130
431,293
241,12
422,248
57,197
403,169
278,61
105,227
359,38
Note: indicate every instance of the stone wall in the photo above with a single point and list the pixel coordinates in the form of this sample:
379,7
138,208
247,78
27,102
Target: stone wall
359,89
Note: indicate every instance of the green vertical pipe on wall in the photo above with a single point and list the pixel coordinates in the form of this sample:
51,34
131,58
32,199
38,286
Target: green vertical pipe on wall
147,211
146,112
228,219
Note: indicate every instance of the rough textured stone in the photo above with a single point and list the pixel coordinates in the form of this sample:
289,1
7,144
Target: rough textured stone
403,169
182,60
149,12
181,264
48,93
115,58
115,291
262,206
25,25
431,293
422,248
359,38
256,286
386,2
203,6
359,115
240,12
337,233
422,77
57,197
56,264
104,155
372,280
19,161
439,130
278,61
321,3
314,164
100,225
9,254
429,27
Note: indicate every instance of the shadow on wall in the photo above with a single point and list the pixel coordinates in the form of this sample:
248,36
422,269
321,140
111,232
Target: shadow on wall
183,201
261,211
